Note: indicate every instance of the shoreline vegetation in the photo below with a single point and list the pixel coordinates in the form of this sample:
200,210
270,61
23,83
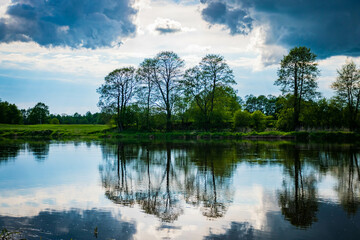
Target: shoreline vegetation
98,132
160,99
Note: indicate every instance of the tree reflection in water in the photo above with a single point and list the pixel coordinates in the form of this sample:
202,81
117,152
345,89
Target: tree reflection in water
162,178
134,185
348,187
10,149
211,207
40,150
298,199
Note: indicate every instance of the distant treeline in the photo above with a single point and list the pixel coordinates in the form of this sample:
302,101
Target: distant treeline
39,114
251,113
161,95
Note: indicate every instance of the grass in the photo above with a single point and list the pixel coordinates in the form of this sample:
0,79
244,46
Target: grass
53,130
88,131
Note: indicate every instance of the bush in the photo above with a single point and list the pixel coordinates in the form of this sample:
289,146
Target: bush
54,121
242,119
258,121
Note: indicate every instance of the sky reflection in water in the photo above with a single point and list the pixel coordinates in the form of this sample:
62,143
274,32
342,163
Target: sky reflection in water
188,190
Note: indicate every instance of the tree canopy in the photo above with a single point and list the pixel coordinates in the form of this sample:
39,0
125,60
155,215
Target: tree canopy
202,82
39,113
347,87
297,75
116,93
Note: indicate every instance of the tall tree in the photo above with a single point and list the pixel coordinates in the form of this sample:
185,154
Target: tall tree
202,82
146,75
116,93
38,114
347,86
167,74
297,75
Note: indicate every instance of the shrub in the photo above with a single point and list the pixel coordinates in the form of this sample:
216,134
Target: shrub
54,121
258,121
242,119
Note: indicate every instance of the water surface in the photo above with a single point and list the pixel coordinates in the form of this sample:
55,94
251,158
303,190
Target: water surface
180,190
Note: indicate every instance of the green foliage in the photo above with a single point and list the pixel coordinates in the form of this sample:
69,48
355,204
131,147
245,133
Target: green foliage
88,118
297,76
298,72
347,86
116,93
9,113
226,103
54,121
203,85
285,120
203,99
266,105
39,114
242,119
146,74
54,130
258,121
168,72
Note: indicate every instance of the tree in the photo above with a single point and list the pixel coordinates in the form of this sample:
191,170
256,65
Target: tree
9,113
202,82
347,86
297,75
117,92
167,74
146,75
38,114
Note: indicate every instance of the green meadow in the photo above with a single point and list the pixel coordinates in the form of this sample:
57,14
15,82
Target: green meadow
89,131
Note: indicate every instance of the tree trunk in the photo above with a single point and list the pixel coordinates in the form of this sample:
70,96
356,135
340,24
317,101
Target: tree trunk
296,99
148,111
168,120
118,115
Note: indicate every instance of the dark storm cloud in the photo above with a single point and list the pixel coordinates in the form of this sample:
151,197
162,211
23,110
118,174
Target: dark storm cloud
329,27
236,19
74,23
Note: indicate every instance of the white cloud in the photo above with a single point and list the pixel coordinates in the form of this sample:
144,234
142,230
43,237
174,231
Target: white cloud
168,26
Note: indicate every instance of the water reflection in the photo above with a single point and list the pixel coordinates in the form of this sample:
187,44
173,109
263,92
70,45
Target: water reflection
298,198
9,150
72,224
211,190
348,187
162,178
40,150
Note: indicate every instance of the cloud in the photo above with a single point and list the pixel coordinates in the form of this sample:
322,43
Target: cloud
166,25
236,19
73,23
329,28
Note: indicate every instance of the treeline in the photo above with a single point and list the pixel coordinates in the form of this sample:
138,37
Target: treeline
39,114
161,95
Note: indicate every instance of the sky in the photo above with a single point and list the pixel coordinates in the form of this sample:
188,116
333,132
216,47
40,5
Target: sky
59,51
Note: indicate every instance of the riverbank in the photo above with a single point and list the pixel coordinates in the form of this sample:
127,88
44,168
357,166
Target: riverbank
87,131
